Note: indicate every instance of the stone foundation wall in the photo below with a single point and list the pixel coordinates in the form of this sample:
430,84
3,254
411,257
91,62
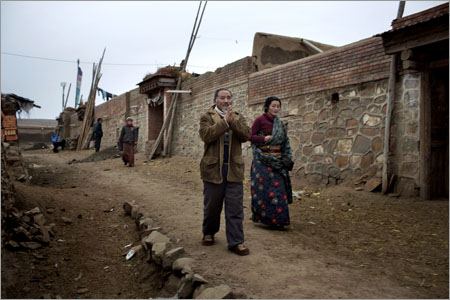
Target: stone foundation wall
334,141
404,144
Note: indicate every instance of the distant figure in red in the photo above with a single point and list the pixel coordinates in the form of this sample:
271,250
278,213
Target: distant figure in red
127,141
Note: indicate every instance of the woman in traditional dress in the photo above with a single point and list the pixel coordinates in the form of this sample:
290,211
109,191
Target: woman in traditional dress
127,141
271,188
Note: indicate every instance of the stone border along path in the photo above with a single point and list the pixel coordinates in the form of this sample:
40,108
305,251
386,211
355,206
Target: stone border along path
159,251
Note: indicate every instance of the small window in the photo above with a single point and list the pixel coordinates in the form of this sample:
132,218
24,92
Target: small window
335,97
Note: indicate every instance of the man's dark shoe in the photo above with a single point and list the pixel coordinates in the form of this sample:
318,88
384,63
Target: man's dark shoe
240,250
208,240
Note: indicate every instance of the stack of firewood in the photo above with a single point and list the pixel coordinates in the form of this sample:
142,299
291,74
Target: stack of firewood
88,120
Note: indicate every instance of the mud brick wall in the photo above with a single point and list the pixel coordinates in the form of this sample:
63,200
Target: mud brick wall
186,141
72,131
405,128
115,111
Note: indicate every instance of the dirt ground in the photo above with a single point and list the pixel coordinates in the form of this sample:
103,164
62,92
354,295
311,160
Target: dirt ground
341,244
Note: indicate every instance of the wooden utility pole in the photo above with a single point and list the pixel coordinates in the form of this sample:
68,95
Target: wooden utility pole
390,107
169,118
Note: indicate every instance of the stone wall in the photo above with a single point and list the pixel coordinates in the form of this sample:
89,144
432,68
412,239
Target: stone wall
404,144
335,140
186,140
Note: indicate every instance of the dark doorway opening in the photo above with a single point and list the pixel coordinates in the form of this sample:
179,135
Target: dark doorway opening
439,132
155,122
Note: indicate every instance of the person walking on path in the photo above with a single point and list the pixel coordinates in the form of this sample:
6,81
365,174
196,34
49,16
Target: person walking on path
127,141
271,189
222,170
98,134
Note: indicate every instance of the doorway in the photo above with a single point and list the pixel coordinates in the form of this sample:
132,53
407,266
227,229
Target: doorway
435,135
439,132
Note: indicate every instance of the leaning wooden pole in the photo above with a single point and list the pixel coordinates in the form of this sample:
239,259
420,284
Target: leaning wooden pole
183,68
83,139
168,121
389,109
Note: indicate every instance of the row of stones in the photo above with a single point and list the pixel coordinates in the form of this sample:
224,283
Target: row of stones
158,247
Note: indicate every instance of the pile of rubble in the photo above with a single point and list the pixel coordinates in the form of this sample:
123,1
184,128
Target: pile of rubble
26,230
13,161
158,249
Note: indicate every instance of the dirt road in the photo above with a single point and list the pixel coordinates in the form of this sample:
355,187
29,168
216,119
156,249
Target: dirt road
342,243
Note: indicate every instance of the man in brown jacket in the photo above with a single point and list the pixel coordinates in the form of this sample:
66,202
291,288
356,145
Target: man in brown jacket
222,170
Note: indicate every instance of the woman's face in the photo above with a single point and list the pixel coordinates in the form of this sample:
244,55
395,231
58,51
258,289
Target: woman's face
274,108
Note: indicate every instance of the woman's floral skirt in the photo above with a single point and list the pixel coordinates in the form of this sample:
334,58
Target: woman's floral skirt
269,199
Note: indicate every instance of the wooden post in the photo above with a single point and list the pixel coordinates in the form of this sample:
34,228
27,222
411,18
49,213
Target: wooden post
67,97
390,107
90,106
172,108
425,137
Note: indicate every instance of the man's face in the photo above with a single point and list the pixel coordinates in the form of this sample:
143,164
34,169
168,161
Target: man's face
223,100
100,121
129,122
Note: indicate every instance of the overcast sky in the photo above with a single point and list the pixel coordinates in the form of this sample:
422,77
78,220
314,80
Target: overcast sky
146,35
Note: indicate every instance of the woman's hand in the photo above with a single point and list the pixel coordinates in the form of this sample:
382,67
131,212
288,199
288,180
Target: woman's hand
267,138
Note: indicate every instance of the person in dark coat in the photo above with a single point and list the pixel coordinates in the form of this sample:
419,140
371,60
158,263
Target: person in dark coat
98,134
127,140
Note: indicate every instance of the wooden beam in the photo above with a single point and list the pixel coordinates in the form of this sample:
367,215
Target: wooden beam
439,63
398,41
390,107
179,91
425,137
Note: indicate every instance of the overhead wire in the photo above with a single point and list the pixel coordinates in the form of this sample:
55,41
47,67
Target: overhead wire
81,62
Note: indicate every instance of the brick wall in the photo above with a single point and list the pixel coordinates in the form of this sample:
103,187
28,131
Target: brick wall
359,62
113,113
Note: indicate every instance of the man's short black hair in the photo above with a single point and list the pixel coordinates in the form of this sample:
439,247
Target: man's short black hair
99,119
216,93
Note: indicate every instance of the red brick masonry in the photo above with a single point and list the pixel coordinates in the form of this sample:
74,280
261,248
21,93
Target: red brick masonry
356,63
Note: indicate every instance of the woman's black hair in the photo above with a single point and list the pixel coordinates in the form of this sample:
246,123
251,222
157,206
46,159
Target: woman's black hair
269,101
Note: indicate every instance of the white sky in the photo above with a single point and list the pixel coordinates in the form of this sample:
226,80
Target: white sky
155,34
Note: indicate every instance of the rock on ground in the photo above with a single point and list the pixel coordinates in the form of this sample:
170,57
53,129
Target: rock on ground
218,292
